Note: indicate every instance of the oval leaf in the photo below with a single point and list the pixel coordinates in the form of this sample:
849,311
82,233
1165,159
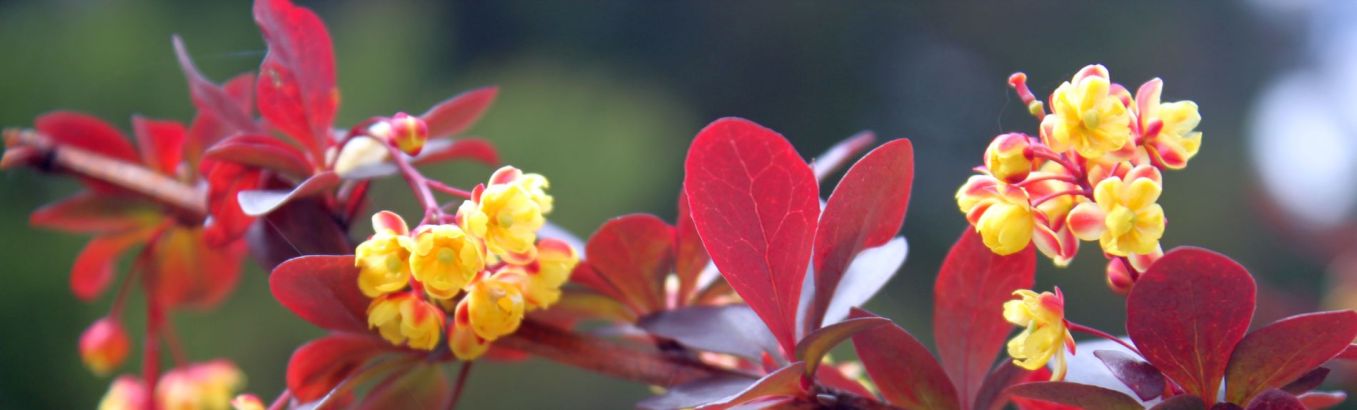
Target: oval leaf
1075,394
633,254
93,269
865,210
784,382
261,151
730,329
968,298
463,148
319,365
755,204
902,368
88,212
1138,375
323,290
813,348
261,202
1285,350
840,153
868,273
211,98
1187,312
296,87
457,114
1275,400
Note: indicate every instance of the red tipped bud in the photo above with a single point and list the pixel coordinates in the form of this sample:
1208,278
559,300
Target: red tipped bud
405,131
1118,277
104,345
1007,157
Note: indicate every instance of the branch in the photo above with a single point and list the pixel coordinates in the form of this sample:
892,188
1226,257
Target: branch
32,148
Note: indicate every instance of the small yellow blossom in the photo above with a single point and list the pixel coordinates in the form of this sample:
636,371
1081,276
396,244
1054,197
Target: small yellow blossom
462,340
1089,115
1169,129
1042,317
201,386
445,259
542,279
403,318
383,259
126,393
1124,216
495,308
1001,213
507,213
1007,159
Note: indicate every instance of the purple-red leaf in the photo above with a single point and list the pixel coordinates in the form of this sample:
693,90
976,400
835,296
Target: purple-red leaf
445,149
319,365
1308,381
1075,394
784,382
296,88
1181,402
813,348
865,211
161,143
88,212
968,298
755,204
323,290
1275,400
731,329
633,254
690,395
902,368
261,151
868,273
1285,350
1317,400
93,269
457,114
261,202
1141,377
993,393
424,385
1187,312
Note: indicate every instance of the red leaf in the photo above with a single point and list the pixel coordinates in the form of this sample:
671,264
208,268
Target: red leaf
689,256
1187,313
318,366
697,393
833,377
1285,350
296,88
1322,400
93,269
424,386
813,348
993,393
1141,377
730,329
261,151
457,114
755,204
302,227
214,100
323,290
187,271
866,275
634,253
902,368
1181,402
1349,353
968,298
865,210
225,181
88,212
1275,400
161,143
1075,394
784,382
463,148
1306,382
88,133
261,202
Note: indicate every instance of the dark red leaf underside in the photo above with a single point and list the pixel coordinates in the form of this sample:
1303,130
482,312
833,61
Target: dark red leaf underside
968,298
755,204
1182,402
323,290
1187,313
1275,400
214,100
261,202
296,87
634,253
1141,377
865,210
1285,350
902,368
262,151
1075,394
455,115
318,366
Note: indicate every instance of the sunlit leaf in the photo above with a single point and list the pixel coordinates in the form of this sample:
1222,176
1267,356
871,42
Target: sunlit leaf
296,86
1317,400
457,114
902,368
755,204
633,254
446,149
161,143
1187,312
185,270
689,256
1280,353
88,133
211,98
968,298
865,210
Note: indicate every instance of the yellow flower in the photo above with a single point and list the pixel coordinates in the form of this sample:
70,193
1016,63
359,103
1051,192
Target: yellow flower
126,393
1169,129
1007,159
462,340
1124,217
403,318
202,386
507,213
542,279
1042,317
1089,115
445,259
495,308
1000,212
383,259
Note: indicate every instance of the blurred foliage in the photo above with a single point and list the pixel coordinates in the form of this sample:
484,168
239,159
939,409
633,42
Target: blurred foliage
603,98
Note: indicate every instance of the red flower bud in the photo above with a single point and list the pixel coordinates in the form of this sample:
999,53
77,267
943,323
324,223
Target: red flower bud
104,345
406,132
1118,278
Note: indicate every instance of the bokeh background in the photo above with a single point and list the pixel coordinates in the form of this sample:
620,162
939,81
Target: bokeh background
604,96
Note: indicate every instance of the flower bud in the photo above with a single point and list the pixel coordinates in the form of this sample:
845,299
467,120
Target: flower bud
406,132
1007,159
1118,278
104,345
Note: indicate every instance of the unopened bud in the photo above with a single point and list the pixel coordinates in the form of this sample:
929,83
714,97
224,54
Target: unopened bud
104,346
406,132
1118,278
1007,159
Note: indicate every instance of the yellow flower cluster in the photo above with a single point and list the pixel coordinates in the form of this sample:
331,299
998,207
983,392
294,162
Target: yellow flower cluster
1093,173
199,386
487,270
1044,335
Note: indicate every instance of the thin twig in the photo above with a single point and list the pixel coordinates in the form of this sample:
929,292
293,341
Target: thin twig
460,384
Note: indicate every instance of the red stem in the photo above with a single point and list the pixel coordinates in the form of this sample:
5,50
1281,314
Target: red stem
150,367
418,184
1057,177
1054,195
462,376
172,340
281,401
444,188
1088,330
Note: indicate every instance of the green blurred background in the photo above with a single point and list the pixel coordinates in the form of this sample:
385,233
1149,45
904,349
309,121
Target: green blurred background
603,97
